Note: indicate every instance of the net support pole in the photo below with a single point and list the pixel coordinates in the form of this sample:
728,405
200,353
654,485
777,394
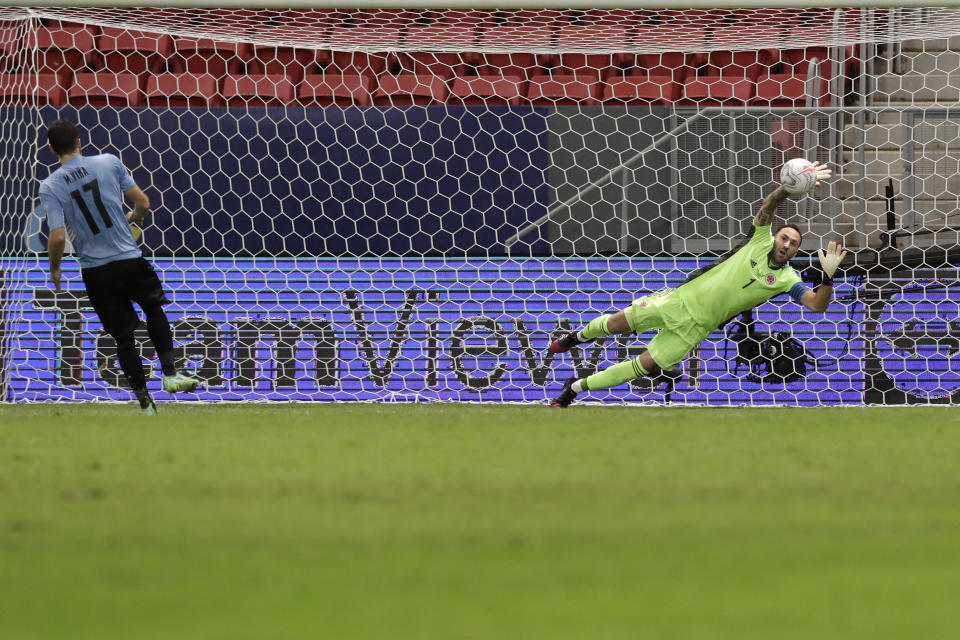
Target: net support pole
907,185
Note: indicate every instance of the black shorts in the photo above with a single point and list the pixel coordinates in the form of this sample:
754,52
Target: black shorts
113,287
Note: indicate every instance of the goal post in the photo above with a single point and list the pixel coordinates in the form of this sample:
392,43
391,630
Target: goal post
408,204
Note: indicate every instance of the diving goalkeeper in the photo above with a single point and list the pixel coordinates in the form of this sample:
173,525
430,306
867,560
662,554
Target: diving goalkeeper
686,315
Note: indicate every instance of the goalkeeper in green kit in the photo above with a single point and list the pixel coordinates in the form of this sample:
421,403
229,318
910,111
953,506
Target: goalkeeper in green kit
686,315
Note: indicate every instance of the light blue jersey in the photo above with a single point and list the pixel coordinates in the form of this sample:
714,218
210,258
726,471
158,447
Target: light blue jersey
86,193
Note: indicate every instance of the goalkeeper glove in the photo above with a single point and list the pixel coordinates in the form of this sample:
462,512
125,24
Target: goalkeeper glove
823,172
830,260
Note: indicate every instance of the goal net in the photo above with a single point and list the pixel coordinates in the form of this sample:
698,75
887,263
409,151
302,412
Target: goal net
409,205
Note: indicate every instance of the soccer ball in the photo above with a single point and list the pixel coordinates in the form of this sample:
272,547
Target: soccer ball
798,176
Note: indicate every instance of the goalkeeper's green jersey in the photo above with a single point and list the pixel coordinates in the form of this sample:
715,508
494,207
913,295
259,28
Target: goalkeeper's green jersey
742,281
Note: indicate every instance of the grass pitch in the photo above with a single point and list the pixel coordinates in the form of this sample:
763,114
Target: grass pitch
398,521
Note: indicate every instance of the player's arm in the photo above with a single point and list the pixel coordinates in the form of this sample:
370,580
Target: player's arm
764,217
51,209
56,244
819,299
141,204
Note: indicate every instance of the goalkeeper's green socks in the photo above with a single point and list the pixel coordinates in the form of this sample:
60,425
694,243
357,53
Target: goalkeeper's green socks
612,376
596,328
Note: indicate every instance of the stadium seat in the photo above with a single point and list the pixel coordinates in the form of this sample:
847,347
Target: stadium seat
678,66
457,35
488,89
524,65
203,55
63,50
383,37
335,89
102,89
609,36
123,51
258,90
291,62
718,89
357,63
456,32
736,64
183,90
558,89
440,64
641,89
673,37
14,56
757,26
33,89
534,34
787,90
728,77
407,89
342,39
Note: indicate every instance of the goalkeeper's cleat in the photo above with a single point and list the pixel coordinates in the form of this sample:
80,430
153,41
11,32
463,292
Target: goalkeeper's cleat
180,381
147,407
567,394
564,344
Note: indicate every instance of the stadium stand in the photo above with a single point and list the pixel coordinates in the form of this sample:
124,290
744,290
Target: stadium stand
122,51
119,67
106,88
202,55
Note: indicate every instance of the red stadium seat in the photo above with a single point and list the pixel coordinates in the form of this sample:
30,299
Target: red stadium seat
293,62
608,36
718,89
737,64
678,66
384,36
123,51
461,36
673,37
641,89
14,55
203,55
258,90
524,65
488,89
335,89
33,89
534,34
407,89
558,89
442,65
787,90
102,89
63,51
357,63
342,39
183,90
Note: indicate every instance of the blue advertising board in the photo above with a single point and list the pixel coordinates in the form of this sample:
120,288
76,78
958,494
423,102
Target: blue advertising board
453,330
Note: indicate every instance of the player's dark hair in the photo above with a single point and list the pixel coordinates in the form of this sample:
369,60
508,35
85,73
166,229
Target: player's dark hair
63,136
790,225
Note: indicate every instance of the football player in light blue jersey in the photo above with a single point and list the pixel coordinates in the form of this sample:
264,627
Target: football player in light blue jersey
84,198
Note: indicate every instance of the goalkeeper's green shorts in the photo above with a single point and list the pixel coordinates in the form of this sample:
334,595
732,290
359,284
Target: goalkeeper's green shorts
679,332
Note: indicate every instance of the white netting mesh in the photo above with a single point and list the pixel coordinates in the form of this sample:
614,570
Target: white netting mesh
357,204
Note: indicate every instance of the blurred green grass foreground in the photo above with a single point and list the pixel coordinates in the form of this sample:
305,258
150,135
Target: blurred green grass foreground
452,521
